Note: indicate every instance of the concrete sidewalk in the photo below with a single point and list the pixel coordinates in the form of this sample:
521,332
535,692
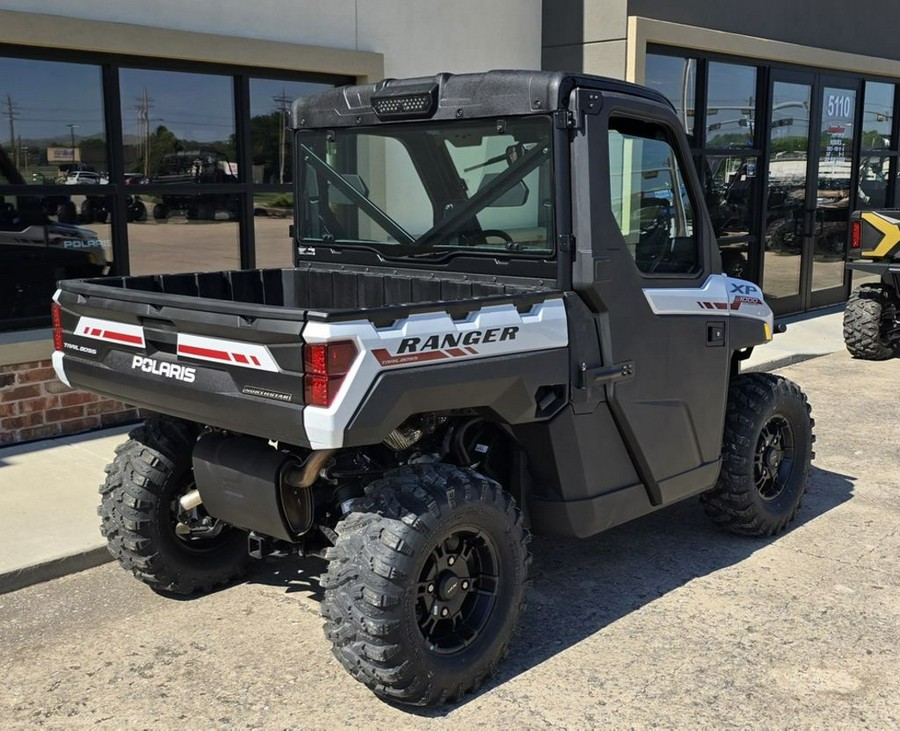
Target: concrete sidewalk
48,506
48,490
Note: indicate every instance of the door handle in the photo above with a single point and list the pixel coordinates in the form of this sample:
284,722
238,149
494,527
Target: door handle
601,375
715,334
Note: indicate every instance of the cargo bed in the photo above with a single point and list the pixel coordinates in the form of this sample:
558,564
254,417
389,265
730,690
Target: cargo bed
225,348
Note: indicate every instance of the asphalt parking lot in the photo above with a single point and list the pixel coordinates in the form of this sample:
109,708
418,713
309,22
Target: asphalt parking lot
664,622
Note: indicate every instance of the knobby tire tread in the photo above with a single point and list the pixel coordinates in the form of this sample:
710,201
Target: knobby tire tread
139,477
734,503
863,323
376,552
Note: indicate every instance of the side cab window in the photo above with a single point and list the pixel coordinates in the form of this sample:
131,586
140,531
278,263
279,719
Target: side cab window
650,200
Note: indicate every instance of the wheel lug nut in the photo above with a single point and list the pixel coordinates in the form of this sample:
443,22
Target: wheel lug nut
431,588
451,561
445,612
465,585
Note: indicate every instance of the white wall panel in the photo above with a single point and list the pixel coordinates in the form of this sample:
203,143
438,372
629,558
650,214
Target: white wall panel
416,37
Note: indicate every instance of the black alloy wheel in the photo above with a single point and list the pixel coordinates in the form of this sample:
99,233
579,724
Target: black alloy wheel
774,462
457,590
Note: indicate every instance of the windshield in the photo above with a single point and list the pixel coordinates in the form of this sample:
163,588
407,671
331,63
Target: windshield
429,189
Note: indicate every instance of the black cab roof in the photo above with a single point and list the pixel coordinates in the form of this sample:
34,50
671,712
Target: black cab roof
453,96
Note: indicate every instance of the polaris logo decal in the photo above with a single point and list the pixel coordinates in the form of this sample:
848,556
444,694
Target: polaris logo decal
82,244
440,347
169,370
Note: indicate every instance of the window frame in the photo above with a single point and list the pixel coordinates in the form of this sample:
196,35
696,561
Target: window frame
673,139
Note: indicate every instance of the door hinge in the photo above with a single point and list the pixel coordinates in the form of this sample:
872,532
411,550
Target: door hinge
565,119
600,376
565,243
581,103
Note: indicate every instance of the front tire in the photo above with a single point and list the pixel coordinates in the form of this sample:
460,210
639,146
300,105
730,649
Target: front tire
864,323
766,454
140,515
425,583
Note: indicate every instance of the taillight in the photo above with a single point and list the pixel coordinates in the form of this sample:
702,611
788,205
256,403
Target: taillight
326,366
56,319
855,234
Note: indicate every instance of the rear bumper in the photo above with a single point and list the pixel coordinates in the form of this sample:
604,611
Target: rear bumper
213,398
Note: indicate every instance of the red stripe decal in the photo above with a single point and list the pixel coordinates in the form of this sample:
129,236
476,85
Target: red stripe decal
457,352
123,338
254,359
204,352
240,358
97,332
472,350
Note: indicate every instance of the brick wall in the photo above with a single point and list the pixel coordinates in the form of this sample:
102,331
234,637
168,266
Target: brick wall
35,405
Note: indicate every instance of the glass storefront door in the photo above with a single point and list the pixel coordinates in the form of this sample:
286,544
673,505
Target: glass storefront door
833,192
809,191
787,182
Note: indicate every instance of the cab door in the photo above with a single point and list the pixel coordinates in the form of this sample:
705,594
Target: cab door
647,266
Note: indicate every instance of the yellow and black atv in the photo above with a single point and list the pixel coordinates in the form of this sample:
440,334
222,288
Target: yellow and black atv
871,323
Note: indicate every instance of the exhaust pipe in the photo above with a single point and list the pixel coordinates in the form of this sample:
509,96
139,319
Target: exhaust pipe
190,500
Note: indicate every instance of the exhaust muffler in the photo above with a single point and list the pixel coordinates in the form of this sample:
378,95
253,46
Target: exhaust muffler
247,483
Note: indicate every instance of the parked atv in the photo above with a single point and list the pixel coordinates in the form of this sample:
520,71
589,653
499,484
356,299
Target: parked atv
872,315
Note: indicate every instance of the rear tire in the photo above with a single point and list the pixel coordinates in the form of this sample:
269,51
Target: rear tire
66,212
766,454
425,583
864,323
139,519
88,213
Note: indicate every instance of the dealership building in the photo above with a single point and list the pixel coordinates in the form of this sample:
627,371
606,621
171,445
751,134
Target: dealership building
142,138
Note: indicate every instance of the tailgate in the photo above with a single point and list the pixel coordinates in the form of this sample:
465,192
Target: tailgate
875,235
229,366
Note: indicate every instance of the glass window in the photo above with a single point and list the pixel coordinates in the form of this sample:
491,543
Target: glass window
178,127
730,106
183,233
44,239
272,216
650,202
676,78
872,181
270,108
430,188
730,185
51,122
878,116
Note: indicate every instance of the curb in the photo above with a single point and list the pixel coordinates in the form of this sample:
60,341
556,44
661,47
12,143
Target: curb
784,362
54,568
